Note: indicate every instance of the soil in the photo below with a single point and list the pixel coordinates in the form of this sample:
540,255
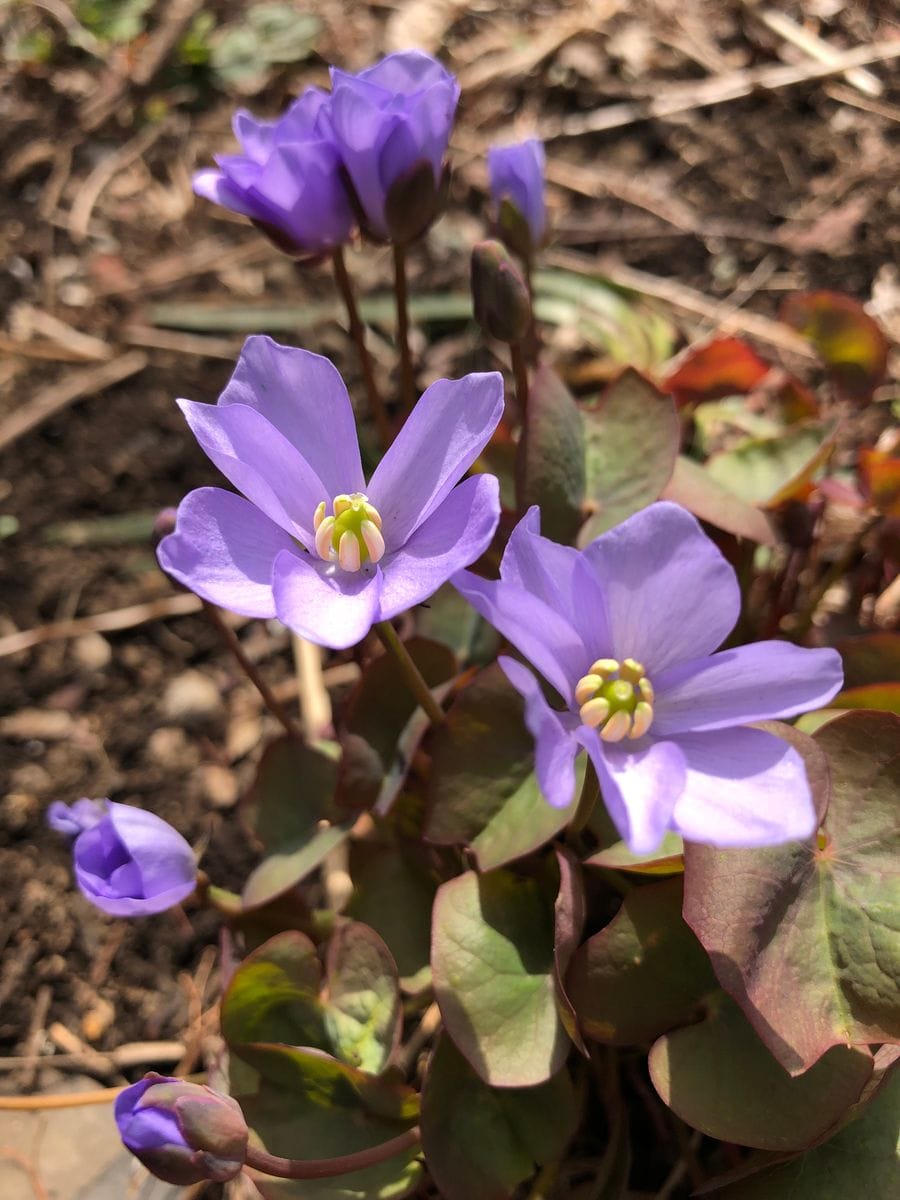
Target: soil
751,198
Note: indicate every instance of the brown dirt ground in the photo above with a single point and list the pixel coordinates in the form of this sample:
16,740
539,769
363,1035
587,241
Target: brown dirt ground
785,189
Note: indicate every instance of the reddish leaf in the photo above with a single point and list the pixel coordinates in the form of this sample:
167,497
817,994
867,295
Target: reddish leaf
695,489
723,367
849,342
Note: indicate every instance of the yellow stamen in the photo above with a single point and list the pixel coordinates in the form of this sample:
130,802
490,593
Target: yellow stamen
616,699
617,727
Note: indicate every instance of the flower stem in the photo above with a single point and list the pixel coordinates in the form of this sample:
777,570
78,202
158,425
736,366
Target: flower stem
590,794
328,1168
271,701
358,333
407,386
411,673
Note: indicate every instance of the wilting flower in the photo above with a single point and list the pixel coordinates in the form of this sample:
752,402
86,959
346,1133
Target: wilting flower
517,176
313,543
182,1132
288,178
128,862
392,123
625,630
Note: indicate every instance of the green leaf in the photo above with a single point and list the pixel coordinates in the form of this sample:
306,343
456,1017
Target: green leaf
394,895
362,1010
642,974
481,1142
482,788
667,859
447,617
719,1077
291,809
696,490
767,471
806,936
273,996
493,968
550,461
632,436
311,1106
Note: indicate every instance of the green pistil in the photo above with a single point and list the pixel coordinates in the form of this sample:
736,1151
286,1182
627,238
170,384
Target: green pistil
353,535
616,699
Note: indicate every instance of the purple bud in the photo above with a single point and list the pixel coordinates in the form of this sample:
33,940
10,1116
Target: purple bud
163,524
128,862
388,121
288,179
182,1132
499,293
517,189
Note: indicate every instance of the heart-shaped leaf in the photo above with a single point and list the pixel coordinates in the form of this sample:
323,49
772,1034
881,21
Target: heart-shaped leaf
632,435
719,1077
482,787
642,974
696,490
804,936
494,976
504,1131
768,471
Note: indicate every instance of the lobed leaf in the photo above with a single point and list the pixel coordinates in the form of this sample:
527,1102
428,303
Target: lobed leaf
806,936
719,1077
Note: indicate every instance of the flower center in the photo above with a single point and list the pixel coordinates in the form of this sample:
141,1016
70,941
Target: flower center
616,699
352,536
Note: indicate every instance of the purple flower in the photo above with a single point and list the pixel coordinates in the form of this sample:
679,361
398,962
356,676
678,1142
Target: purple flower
182,1132
128,862
313,543
391,121
625,630
517,175
288,178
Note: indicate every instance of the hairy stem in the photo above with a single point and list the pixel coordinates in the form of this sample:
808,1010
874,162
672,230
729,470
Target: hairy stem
411,673
327,1168
407,386
358,333
271,701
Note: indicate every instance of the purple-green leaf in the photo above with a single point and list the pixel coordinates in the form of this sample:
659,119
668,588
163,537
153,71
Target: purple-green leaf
719,1077
394,895
806,936
493,967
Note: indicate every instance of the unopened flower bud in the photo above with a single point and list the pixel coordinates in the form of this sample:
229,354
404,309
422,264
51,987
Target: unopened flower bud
182,1132
499,293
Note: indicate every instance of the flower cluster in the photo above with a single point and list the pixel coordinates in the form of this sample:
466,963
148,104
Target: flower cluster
370,150
625,632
